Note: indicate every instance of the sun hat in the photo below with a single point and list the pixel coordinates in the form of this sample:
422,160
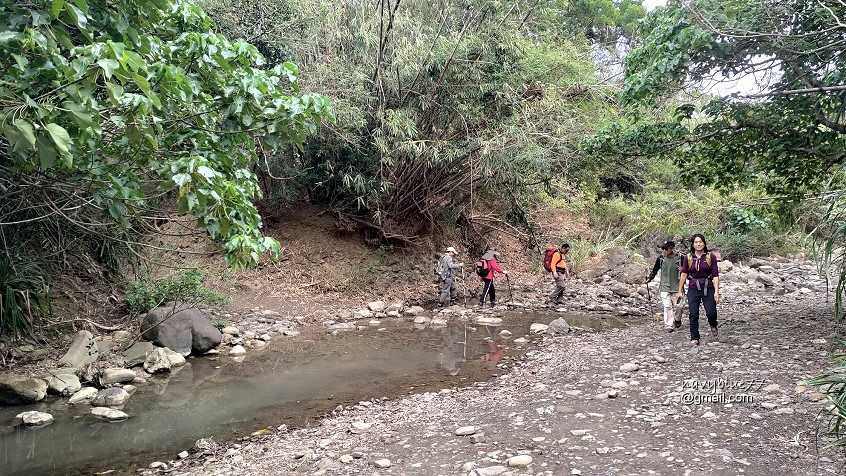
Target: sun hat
451,250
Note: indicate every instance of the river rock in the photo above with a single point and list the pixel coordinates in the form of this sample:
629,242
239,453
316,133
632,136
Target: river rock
238,350
186,330
231,330
84,395
519,461
21,390
109,397
629,367
465,430
83,350
537,328
137,354
157,361
112,376
376,306
175,358
63,384
559,326
35,418
382,463
395,307
109,413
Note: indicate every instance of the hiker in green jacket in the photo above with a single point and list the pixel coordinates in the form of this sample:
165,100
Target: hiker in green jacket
668,265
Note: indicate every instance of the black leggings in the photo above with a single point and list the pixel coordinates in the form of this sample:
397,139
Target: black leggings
487,290
694,298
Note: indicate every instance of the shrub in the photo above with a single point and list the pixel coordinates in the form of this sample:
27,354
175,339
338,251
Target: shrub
23,293
187,286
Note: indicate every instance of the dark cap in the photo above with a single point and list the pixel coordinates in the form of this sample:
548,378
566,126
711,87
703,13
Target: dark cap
667,244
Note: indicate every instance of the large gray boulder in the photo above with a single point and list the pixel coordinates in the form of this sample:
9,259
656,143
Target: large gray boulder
615,262
82,351
181,328
20,390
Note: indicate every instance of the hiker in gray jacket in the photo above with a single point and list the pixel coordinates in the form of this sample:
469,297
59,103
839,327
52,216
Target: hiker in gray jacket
445,267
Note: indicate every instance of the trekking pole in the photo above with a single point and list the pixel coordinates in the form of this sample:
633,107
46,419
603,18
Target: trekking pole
510,294
651,308
464,282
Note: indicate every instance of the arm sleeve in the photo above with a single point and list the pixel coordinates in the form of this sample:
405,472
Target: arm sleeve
655,269
494,265
715,268
683,259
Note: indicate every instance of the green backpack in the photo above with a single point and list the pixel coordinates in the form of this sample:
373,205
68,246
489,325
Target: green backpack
439,269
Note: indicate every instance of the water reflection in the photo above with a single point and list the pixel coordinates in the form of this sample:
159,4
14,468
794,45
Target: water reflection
293,381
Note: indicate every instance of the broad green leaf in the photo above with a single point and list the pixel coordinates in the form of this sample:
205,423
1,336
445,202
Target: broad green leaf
78,17
6,36
27,131
181,179
56,7
108,65
60,137
206,172
115,92
46,153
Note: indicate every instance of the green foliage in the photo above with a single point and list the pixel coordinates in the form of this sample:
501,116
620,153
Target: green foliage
438,105
112,111
23,294
788,140
187,286
832,383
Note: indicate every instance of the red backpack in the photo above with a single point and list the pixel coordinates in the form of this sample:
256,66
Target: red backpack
547,259
482,268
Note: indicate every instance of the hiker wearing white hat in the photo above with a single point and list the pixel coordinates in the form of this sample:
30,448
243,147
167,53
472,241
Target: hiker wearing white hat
444,269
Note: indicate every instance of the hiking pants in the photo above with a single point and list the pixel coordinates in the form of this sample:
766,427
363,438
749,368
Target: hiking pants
448,290
672,311
706,297
487,290
558,291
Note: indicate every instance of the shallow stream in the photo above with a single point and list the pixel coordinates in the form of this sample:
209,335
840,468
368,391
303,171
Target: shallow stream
293,381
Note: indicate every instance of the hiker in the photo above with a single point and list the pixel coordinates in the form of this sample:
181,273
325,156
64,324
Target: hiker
668,265
445,266
700,270
560,272
487,269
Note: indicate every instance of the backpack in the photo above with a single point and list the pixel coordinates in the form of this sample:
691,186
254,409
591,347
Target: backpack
482,268
439,269
690,259
547,259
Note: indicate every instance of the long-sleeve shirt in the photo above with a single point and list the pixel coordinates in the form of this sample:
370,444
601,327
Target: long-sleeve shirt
668,266
492,266
448,265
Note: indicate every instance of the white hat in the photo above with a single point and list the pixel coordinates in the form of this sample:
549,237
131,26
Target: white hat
451,250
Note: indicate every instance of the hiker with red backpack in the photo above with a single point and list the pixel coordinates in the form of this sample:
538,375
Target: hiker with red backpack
555,261
699,268
486,268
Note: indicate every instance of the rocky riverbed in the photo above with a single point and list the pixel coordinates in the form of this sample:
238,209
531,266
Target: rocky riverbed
634,400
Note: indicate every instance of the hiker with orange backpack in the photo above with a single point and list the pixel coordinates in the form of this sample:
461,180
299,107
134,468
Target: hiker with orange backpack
555,261
699,268
486,268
